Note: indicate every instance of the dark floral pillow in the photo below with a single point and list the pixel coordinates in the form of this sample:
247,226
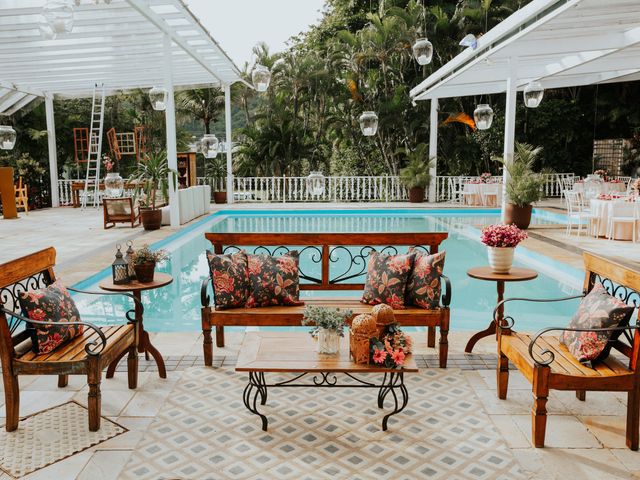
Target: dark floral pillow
387,277
424,286
230,279
597,309
51,304
274,280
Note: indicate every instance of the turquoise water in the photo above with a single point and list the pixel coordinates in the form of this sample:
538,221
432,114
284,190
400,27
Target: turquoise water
176,308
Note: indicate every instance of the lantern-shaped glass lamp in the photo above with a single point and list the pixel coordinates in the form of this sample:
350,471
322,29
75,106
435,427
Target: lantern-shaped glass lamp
209,145
368,123
483,116
533,94
120,269
315,184
7,137
422,51
129,259
261,77
57,18
158,97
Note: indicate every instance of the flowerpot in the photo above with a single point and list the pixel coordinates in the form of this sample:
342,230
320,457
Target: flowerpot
151,219
145,271
500,258
416,195
328,341
520,216
113,185
220,197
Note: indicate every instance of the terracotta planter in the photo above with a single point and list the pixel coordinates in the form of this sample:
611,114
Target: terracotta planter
520,216
151,219
416,195
500,258
145,271
220,197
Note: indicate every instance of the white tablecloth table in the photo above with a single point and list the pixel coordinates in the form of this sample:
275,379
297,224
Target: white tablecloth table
601,209
606,189
474,194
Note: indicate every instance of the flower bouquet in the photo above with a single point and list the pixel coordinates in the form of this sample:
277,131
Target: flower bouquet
602,173
391,349
328,326
501,241
484,177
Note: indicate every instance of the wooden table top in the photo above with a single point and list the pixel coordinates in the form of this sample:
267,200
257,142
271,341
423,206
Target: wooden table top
516,274
160,279
296,352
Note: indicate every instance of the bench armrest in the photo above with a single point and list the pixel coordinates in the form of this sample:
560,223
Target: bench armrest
93,348
204,293
509,321
131,314
445,298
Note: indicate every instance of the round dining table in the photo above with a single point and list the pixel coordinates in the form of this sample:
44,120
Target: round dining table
601,210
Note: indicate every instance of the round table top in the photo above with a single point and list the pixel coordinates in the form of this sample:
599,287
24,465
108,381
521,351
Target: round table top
159,280
516,274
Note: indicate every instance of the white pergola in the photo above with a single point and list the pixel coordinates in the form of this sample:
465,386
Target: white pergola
125,45
560,43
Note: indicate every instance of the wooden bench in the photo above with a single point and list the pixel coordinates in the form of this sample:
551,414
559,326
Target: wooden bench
322,249
548,365
87,354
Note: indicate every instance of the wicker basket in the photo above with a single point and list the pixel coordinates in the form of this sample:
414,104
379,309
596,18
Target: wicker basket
384,316
363,328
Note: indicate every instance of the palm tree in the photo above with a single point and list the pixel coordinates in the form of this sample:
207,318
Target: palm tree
206,104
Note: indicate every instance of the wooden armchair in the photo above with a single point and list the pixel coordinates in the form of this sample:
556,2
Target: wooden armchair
548,365
87,354
120,210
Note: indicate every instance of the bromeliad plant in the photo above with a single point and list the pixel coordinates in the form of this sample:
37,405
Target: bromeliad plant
500,235
327,318
391,350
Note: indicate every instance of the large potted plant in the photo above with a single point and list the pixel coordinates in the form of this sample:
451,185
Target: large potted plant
152,177
524,186
215,172
416,175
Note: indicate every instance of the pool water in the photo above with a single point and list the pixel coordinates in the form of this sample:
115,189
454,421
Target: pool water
176,308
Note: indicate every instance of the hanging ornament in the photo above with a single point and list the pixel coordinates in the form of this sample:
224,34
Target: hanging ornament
422,51
483,116
57,18
209,145
533,94
368,123
261,77
158,97
7,137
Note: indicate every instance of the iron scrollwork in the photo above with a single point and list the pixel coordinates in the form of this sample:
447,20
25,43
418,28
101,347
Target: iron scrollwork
9,295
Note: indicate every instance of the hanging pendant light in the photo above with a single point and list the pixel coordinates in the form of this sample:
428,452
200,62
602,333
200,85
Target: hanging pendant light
261,77
422,51
368,123
7,137
533,94
209,145
57,18
158,97
483,116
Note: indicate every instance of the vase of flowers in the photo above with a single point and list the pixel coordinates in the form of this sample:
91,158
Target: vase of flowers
390,349
328,326
145,261
485,177
113,182
501,241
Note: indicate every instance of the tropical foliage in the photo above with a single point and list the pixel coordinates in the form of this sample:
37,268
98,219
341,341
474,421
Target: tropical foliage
524,186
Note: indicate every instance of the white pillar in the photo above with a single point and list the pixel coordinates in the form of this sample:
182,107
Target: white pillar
53,154
509,129
433,149
170,121
229,141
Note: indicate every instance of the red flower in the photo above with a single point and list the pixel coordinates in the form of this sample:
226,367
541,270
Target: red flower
379,355
399,263
38,314
395,302
287,265
254,266
398,357
223,282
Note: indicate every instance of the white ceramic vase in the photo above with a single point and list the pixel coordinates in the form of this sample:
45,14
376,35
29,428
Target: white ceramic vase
328,341
500,258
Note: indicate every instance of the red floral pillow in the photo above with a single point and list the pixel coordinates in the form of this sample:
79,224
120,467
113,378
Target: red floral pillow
387,277
274,280
597,309
424,286
230,279
51,304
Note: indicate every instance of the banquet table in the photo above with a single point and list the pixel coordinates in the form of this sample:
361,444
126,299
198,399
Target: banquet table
473,194
606,189
601,209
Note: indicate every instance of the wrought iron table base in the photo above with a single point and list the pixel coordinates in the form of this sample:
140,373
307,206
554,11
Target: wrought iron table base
392,382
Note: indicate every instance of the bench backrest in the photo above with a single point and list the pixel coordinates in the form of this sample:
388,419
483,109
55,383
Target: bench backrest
323,249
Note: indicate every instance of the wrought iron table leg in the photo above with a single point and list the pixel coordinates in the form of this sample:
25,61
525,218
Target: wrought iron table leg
384,389
399,403
250,397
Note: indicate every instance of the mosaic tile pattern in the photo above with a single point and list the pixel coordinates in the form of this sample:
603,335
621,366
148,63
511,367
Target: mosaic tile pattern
205,432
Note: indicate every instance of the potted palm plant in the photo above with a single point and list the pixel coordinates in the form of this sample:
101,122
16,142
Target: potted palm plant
524,186
416,175
215,172
152,178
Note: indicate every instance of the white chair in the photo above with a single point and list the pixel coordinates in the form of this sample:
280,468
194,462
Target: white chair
455,189
577,212
489,191
623,213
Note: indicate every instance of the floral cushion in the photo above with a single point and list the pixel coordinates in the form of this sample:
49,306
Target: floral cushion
387,277
51,304
230,279
597,309
274,280
423,286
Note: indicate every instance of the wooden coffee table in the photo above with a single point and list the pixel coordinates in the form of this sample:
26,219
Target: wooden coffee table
295,353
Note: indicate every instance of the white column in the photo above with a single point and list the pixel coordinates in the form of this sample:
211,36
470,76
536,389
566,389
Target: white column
229,141
53,154
170,121
509,128
433,148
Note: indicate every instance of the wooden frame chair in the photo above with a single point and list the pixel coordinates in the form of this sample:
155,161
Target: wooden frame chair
22,198
87,354
120,210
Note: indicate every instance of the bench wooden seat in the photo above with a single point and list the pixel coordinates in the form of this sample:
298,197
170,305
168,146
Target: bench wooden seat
324,247
548,365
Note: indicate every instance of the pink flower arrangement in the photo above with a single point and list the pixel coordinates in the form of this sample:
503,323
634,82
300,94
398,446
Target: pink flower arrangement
500,235
391,349
107,162
603,173
484,177
636,185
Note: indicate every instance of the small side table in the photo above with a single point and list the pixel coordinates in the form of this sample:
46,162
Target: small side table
485,273
144,344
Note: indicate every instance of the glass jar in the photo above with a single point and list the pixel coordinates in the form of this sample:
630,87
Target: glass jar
483,116
368,123
113,185
328,341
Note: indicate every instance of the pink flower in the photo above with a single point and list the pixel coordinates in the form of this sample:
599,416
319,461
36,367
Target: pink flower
379,355
500,235
398,357
37,314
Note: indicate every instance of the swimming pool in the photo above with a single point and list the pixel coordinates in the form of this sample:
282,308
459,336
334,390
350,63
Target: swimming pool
176,308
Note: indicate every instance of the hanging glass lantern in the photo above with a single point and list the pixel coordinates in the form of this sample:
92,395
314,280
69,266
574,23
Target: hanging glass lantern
57,18
422,51
120,269
158,97
209,145
483,116
129,259
7,137
315,184
533,94
261,77
368,123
